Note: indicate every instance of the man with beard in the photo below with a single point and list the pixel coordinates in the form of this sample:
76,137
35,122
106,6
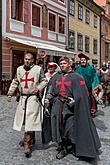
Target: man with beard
72,126
104,73
90,76
30,80
104,77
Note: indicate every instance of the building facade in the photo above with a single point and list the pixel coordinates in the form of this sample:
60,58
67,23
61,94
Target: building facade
105,33
37,26
84,29
105,39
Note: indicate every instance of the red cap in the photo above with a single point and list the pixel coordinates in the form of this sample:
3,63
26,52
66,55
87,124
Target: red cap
52,64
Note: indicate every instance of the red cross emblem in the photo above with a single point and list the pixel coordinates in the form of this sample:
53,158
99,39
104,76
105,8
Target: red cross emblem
82,82
63,83
26,79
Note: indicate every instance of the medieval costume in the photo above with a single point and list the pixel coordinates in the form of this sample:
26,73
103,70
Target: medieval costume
104,77
50,74
28,111
72,126
104,73
90,76
46,135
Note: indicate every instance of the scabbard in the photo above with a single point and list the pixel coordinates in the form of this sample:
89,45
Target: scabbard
61,117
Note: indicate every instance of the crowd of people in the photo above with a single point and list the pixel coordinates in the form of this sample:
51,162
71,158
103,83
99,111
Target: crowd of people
68,97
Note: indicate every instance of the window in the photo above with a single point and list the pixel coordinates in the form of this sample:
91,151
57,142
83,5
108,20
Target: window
17,10
80,42
95,46
72,7
87,16
52,22
80,12
72,40
87,43
35,15
61,25
95,21
106,50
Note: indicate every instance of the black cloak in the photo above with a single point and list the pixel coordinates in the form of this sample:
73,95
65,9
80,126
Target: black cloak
78,123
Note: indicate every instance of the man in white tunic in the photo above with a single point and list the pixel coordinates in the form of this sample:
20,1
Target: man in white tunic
30,80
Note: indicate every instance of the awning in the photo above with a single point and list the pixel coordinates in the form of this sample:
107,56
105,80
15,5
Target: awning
49,49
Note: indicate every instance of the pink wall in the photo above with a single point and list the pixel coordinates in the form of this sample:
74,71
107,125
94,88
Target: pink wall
100,2
27,32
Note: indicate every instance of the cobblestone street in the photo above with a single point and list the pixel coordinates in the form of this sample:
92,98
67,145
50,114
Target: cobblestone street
12,154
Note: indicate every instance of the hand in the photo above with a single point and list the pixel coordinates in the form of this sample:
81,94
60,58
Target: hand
34,91
9,98
70,102
46,112
46,103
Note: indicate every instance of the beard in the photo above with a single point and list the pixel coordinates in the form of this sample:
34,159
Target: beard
104,69
27,68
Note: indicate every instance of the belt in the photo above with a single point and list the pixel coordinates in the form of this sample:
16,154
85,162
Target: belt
61,98
23,94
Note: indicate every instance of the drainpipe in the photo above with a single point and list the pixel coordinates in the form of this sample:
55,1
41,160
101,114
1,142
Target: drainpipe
0,40
67,44
100,39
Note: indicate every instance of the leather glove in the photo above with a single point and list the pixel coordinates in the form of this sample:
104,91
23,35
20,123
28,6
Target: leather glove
46,112
70,102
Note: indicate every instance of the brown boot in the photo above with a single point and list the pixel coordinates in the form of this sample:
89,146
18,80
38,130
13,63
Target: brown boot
33,140
27,142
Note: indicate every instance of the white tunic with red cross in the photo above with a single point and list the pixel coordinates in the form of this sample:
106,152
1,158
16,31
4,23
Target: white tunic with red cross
27,81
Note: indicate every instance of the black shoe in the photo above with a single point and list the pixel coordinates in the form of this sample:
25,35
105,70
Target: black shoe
93,115
28,154
62,154
59,148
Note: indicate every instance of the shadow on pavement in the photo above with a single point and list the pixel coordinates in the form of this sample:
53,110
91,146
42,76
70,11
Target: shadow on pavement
100,124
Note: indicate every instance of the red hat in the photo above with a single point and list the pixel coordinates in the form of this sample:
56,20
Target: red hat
52,64
81,55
